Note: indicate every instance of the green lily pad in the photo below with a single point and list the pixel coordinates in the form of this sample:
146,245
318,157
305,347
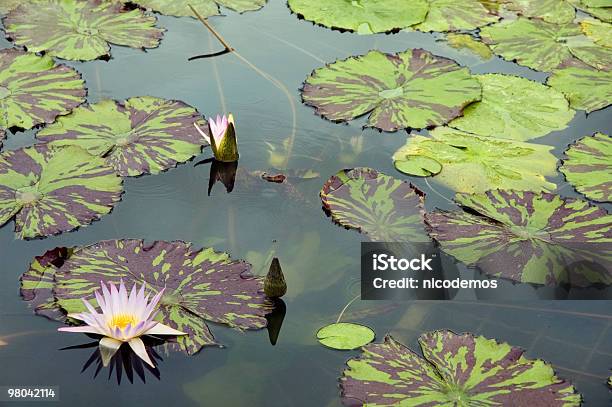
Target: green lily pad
34,90
528,237
455,369
552,11
50,190
588,167
144,135
413,89
201,285
604,13
515,108
384,208
454,15
206,8
8,5
586,88
598,31
80,30
471,163
345,336
466,41
362,16
544,46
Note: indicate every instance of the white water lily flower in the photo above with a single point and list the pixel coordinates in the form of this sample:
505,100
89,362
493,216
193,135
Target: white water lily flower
222,138
123,319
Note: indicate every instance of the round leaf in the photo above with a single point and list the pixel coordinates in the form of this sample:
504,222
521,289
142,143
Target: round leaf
515,108
206,8
471,163
345,336
528,237
598,31
455,370
200,285
413,89
454,15
552,11
363,16
34,90
588,167
603,13
51,190
80,30
385,208
544,46
144,135
585,87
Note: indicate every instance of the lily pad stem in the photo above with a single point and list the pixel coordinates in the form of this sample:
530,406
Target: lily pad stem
346,307
211,29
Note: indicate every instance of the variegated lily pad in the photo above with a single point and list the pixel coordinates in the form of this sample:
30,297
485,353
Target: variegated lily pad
141,136
469,163
34,90
552,11
598,31
466,41
201,285
528,237
80,30
205,8
50,190
384,208
8,5
515,108
544,46
585,87
455,369
603,12
414,89
362,16
588,167
455,15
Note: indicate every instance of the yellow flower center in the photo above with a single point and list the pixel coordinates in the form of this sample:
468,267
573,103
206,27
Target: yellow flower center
122,320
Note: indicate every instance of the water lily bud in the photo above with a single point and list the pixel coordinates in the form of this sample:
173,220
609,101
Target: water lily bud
223,138
275,285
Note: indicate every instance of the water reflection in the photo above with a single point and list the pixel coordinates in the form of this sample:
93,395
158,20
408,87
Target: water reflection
275,320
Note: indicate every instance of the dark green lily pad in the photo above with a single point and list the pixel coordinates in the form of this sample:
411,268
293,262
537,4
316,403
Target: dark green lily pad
588,167
552,11
345,336
585,87
144,135
454,15
528,237
50,190
384,208
544,46
80,30
414,89
34,90
362,16
455,369
469,163
515,108
201,285
206,8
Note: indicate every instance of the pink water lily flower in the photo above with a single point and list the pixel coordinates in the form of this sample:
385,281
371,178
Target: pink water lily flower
124,318
222,138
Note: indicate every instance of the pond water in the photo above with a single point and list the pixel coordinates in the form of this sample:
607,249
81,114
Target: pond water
320,260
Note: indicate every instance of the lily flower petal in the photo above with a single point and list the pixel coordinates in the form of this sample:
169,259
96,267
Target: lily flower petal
139,349
83,329
108,348
161,329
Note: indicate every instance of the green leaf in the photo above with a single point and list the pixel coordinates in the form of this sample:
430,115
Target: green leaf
602,12
206,8
588,167
345,336
544,46
528,237
80,30
515,108
466,41
51,190
34,90
552,11
586,88
362,16
455,370
201,285
413,89
454,15
598,31
8,5
385,208
144,135
471,163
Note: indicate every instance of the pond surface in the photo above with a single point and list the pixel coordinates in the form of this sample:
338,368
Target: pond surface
320,259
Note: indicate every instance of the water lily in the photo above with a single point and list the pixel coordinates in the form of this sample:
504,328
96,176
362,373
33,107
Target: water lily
124,318
222,137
